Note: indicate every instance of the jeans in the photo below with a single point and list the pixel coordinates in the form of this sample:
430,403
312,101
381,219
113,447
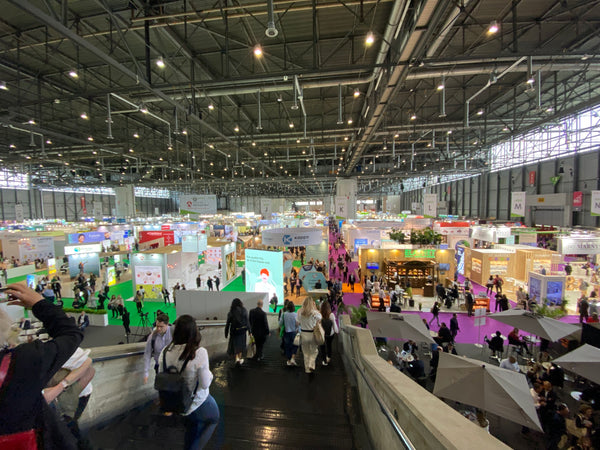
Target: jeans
200,424
288,344
326,349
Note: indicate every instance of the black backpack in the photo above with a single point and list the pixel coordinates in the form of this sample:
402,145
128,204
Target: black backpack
327,325
173,392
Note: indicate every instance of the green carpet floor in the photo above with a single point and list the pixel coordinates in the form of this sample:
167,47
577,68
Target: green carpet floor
236,285
24,277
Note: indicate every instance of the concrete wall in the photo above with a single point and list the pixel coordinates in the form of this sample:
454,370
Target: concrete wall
203,304
118,383
428,421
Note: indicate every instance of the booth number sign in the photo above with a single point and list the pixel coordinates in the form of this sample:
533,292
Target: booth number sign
420,253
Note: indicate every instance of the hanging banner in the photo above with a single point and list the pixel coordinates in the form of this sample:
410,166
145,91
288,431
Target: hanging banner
577,199
430,205
340,207
595,209
97,210
19,214
531,177
198,204
517,204
265,207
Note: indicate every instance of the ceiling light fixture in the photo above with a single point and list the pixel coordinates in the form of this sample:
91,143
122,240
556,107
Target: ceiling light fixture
236,129
258,51
211,106
90,138
291,124
530,80
160,63
441,87
413,117
84,116
480,112
48,141
349,121
143,109
73,74
356,93
370,38
493,28
3,86
31,122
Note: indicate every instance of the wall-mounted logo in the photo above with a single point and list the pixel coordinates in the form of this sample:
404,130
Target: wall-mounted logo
287,239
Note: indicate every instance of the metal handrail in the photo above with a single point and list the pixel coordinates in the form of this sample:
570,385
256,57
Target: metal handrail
210,324
119,356
384,409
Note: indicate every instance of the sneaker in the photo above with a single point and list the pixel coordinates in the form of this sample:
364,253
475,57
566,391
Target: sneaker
241,361
324,363
328,360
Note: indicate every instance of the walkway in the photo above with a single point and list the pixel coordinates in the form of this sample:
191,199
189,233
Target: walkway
262,404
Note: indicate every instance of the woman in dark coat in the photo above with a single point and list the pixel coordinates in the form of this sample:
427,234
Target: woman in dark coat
236,328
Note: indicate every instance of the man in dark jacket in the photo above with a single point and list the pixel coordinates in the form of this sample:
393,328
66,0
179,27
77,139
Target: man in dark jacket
454,328
259,328
30,368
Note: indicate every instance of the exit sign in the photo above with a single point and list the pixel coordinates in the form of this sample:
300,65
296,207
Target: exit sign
420,253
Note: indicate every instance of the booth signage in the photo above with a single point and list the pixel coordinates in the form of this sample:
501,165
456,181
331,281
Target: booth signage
292,237
517,204
198,204
86,248
574,246
532,178
595,209
420,253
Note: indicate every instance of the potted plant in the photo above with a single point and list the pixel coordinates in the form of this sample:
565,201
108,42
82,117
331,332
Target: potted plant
97,317
358,315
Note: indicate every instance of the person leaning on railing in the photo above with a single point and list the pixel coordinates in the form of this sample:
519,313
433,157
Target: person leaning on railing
28,368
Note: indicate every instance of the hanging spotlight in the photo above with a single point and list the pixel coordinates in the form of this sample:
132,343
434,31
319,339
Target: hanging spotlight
350,121
441,87
480,112
3,86
493,28
90,138
291,124
236,129
84,116
211,106
160,63
136,135
73,74
530,80
258,51
356,93
370,38
143,109
413,117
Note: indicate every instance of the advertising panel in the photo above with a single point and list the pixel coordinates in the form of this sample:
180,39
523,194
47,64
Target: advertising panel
84,262
228,264
87,237
51,266
292,237
577,199
265,207
202,243
189,243
535,288
168,236
264,272
149,279
476,265
517,204
86,248
36,247
111,275
198,204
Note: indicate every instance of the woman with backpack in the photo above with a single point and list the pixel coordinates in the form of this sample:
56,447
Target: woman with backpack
236,328
331,329
185,358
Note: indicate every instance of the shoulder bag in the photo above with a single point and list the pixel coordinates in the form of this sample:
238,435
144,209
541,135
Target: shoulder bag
319,333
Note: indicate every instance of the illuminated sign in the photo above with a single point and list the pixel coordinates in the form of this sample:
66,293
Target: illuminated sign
420,253
86,248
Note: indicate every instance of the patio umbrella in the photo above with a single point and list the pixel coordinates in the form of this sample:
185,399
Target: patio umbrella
398,326
487,387
536,324
584,361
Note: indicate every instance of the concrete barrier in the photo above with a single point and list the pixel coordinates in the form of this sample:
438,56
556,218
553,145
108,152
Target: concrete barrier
119,384
427,421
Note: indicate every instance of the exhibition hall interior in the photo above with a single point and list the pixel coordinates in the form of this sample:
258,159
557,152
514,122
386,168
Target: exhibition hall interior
362,224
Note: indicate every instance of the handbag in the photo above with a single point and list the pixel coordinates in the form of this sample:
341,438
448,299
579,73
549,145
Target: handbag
24,440
251,351
319,333
297,340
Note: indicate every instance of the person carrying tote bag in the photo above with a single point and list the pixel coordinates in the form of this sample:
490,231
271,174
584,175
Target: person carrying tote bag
309,318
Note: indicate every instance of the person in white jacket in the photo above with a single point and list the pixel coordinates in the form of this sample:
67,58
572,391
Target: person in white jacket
330,327
202,416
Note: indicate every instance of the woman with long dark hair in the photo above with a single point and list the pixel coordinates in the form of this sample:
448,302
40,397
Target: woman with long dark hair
202,416
331,329
237,327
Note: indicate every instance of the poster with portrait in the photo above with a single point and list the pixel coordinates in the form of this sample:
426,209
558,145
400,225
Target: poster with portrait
264,272
149,279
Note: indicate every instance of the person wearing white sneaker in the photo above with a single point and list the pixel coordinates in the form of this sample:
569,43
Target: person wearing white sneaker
330,328
289,320
308,316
